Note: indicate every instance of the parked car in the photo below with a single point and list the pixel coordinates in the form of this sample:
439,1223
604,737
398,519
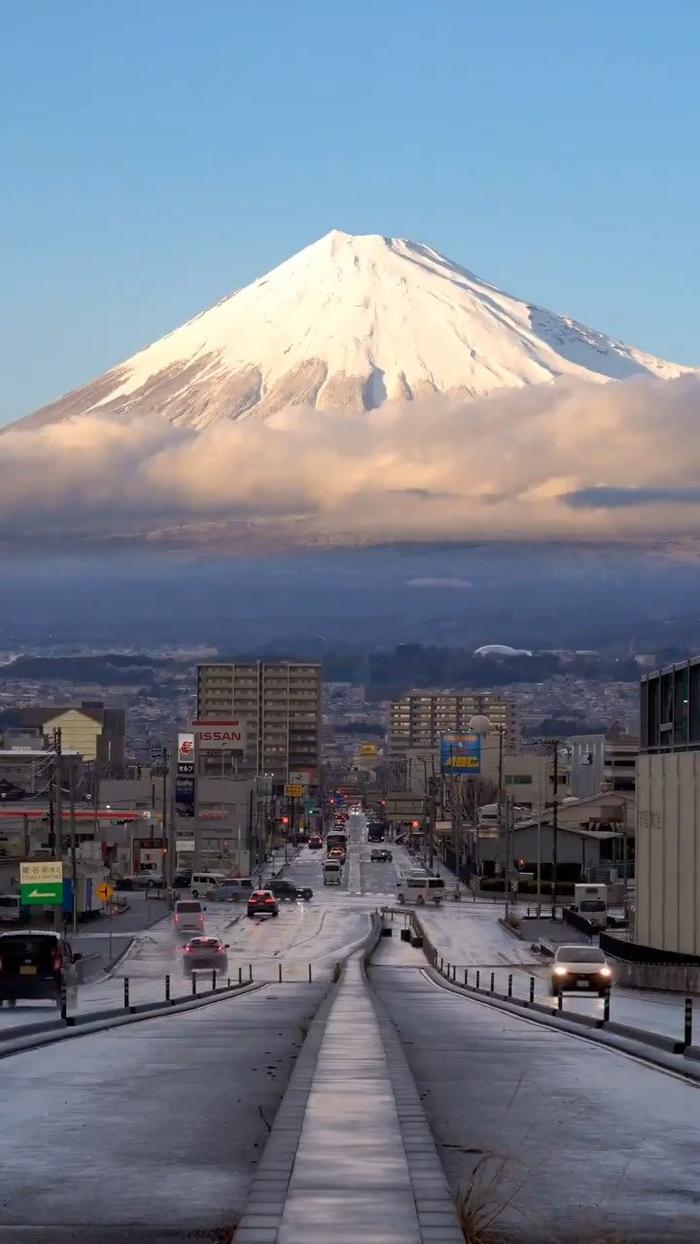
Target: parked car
263,903
183,879
580,967
205,952
143,879
11,909
380,855
35,964
281,888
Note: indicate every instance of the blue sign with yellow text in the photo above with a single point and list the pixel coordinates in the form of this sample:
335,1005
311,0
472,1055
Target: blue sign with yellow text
460,753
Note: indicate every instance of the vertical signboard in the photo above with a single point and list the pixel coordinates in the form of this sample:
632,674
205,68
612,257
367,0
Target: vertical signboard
184,776
460,753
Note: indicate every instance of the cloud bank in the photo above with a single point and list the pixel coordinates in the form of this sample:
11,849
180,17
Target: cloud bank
620,460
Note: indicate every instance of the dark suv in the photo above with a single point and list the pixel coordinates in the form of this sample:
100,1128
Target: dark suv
34,964
281,888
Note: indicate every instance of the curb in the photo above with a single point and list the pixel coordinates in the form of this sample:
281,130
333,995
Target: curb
80,1027
509,929
660,1051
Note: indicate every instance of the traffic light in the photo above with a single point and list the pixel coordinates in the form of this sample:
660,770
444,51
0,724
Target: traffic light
415,824
285,820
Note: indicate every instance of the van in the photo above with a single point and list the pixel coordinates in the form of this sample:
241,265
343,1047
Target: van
232,890
35,964
10,910
420,888
332,872
201,882
189,915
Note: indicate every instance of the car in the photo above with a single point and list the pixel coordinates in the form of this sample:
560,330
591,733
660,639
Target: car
231,891
205,952
380,855
143,879
336,853
183,879
580,966
263,903
35,964
281,888
315,842
188,915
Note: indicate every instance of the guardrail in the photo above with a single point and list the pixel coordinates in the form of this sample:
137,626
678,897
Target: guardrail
486,983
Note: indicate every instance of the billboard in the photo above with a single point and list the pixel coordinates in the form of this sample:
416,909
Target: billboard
184,775
460,753
220,736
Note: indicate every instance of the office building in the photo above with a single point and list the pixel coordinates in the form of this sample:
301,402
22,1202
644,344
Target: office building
667,896
279,706
417,720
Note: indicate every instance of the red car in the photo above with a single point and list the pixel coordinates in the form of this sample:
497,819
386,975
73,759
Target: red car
315,843
263,903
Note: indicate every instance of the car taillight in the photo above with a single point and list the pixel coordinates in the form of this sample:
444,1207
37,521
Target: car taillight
57,960
0,963
177,918
269,900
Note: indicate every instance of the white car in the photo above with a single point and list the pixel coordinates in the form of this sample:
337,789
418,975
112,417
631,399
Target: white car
580,967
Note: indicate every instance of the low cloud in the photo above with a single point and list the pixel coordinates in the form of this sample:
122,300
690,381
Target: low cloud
441,583
565,461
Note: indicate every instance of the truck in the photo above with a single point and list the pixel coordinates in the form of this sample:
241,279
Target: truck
591,902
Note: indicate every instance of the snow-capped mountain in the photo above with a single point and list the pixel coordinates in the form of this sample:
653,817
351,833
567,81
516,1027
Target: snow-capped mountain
347,324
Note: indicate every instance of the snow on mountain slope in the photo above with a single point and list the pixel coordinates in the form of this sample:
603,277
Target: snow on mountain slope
349,323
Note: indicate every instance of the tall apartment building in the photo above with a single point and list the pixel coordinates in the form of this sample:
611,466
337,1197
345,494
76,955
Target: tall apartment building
418,719
280,704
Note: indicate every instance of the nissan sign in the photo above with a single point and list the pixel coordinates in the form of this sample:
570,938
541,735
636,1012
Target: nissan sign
220,736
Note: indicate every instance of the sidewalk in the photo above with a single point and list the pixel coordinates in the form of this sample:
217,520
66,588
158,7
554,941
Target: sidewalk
362,1168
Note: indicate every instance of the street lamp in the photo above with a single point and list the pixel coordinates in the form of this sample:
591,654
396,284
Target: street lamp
481,724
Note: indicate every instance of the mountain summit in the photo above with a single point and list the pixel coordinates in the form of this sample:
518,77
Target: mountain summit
347,324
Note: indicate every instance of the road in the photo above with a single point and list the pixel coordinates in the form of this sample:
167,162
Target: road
157,1125
469,935
316,933
558,1138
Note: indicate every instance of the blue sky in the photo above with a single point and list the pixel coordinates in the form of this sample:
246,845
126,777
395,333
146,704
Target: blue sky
155,156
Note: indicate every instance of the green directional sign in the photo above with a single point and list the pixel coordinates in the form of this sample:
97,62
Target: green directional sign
41,894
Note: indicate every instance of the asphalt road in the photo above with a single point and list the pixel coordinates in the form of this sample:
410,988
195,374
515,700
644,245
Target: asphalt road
157,1125
469,935
554,1138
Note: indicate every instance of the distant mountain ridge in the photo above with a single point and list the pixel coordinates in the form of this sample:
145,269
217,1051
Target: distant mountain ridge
347,324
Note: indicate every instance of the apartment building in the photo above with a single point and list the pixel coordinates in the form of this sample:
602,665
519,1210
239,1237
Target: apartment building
417,720
279,704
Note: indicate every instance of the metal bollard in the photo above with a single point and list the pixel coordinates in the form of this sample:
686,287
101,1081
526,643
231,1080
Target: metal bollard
688,1022
213,980
126,993
194,984
240,976
532,989
64,1001
606,1008
310,967
441,963
478,977
560,1001
466,977
228,982
167,988
454,973
493,978
510,984
250,973
279,973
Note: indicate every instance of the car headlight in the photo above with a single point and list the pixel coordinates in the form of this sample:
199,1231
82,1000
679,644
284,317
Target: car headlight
605,972
561,971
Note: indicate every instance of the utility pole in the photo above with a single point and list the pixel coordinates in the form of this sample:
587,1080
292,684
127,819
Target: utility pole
165,823
58,774
73,850
555,823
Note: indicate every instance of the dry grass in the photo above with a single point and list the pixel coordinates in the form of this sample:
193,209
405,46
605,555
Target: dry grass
489,1192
